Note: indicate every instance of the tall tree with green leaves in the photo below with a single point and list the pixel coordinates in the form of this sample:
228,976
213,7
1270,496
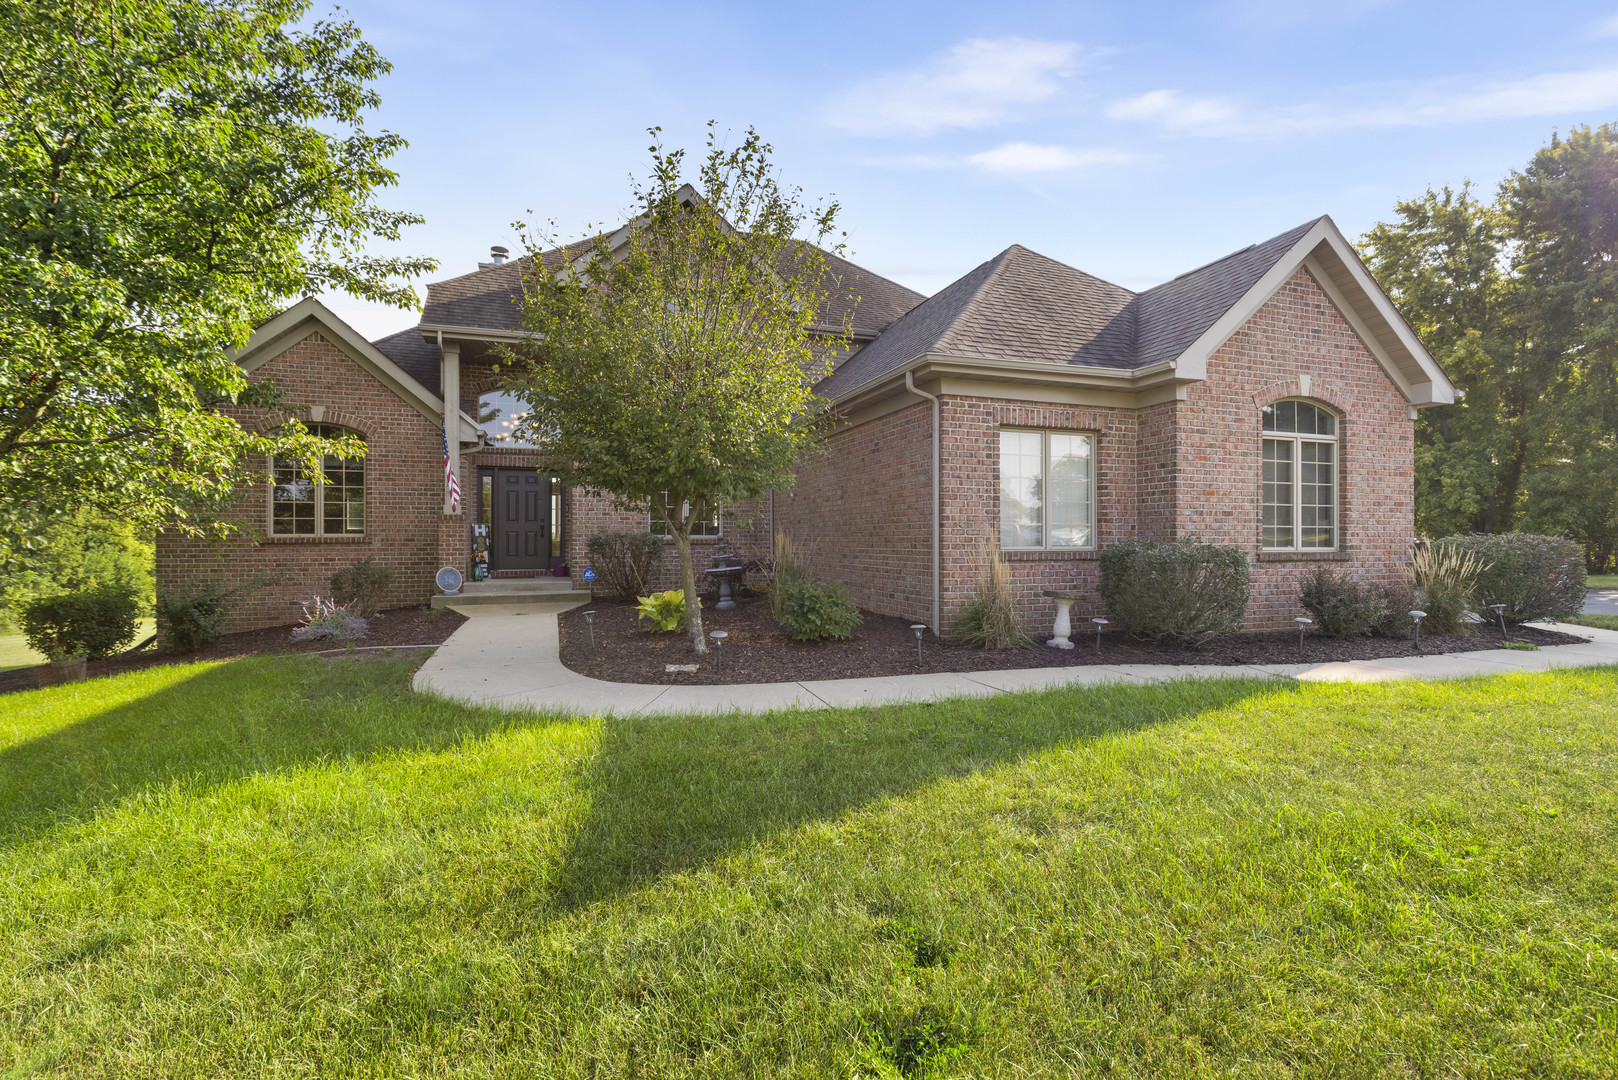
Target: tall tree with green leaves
671,365
171,171
1515,297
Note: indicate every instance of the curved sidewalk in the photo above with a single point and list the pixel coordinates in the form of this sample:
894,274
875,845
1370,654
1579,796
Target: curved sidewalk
508,656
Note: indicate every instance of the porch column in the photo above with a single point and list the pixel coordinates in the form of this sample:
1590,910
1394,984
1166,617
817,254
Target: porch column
451,355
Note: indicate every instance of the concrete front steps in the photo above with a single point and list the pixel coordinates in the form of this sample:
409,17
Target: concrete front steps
536,590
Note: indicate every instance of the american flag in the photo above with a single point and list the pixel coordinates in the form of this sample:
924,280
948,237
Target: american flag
449,476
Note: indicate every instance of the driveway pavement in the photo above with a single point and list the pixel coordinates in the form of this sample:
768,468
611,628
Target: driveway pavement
1601,602
508,656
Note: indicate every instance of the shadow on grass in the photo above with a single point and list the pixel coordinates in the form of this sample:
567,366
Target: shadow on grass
669,794
223,723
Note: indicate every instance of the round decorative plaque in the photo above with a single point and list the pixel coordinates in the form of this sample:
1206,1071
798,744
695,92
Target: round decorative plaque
449,580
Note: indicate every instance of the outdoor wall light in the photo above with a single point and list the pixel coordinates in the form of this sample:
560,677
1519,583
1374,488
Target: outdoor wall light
719,637
1418,616
1304,623
590,621
1500,611
917,628
1100,624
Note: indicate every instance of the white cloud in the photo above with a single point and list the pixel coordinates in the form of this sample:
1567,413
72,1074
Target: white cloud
1429,105
1022,158
1607,27
973,85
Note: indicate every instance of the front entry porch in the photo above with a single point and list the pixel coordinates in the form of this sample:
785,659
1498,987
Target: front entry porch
519,532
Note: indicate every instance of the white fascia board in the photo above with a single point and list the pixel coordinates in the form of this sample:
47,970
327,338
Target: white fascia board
470,333
1361,331
309,314
1125,380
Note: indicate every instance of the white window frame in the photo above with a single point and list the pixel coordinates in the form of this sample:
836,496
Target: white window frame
1045,472
1297,439
327,431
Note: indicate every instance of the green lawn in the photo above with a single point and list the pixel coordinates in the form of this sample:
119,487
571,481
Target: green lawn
296,867
1605,622
1602,581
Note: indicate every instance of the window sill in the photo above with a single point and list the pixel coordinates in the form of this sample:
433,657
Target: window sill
1304,556
1048,554
344,539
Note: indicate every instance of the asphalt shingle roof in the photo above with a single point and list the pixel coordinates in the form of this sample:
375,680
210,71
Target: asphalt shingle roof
1021,305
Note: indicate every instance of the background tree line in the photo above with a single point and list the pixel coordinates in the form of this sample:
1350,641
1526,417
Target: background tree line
1517,297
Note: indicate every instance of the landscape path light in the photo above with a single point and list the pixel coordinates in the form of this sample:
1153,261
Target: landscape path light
719,637
1418,616
1304,623
1100,624
1500,610
590,621
917,628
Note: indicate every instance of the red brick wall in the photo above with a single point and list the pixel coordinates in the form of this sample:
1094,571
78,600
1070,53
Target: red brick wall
403,498
862,508
1298,332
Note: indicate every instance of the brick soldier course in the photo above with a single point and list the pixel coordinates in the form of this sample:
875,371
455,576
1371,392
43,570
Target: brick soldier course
1168,384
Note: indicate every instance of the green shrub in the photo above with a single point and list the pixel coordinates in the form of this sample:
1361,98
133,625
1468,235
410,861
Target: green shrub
1179,592
361,586
93,623
665,609
990,620
1536,577
625,562
193,616
1442,581
813,610
1341,606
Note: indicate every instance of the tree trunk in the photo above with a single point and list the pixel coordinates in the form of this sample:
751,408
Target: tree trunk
688,582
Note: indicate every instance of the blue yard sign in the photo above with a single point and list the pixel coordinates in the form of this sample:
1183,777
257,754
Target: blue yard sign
589,573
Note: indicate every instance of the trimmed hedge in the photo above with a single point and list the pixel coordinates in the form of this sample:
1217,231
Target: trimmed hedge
1181,592
1536,577
95,623
1341,606
625,562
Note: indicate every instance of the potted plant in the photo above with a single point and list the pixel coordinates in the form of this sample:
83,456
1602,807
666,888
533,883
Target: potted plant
71,628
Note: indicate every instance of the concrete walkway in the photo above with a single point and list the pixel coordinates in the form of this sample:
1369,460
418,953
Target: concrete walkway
508,656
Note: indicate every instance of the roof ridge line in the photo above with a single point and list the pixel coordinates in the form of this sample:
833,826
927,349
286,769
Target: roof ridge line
1077,270
1000,261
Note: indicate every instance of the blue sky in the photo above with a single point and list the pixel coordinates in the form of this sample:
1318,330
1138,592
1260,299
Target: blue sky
1135,141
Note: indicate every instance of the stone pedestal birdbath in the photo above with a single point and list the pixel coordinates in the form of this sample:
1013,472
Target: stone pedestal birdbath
1064,621
726,567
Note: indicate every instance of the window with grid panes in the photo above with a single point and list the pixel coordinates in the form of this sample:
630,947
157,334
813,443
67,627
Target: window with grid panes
1299,484
1047,489
330,502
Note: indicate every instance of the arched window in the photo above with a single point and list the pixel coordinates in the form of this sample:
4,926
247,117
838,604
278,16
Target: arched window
1300,477
330,503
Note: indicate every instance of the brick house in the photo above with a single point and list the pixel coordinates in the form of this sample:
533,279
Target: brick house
1264,401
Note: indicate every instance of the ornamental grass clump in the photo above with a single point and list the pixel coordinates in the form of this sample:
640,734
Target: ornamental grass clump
1342,606
990,620
1441,580
789,562
1179,593
1535,577
625,562
324,619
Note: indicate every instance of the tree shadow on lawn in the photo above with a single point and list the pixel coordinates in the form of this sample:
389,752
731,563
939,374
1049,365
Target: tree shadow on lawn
670,793
243,717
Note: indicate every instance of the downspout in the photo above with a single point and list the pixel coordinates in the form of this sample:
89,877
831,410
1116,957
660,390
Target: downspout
938,453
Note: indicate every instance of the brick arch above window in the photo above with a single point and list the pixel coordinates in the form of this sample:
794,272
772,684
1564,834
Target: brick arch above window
1321,392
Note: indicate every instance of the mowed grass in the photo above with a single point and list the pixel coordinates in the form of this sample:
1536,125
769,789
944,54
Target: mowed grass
294,867
1602,581
1604,622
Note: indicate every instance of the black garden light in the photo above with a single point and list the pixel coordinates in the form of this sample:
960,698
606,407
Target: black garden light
1418,616
1100,625
917,628
590,621
719,637
1304,623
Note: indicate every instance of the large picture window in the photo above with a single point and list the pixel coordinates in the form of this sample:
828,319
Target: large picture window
330,502
1300,478
1047,489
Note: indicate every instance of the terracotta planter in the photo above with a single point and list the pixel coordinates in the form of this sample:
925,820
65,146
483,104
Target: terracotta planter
69,670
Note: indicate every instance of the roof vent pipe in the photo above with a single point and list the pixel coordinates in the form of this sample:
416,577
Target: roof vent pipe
497,254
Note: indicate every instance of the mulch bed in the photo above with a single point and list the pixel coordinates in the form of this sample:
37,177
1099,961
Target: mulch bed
757,651
400,626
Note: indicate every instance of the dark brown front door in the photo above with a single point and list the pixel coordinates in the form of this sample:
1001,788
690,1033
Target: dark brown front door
523,524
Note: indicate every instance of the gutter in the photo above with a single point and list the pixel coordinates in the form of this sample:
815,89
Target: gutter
938,454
